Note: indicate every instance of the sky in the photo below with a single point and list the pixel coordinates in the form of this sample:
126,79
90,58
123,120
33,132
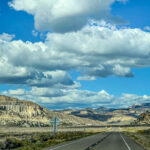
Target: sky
75,54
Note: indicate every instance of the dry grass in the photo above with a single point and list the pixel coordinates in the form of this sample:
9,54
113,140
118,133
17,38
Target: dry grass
142,137
22,130
38,141
140,134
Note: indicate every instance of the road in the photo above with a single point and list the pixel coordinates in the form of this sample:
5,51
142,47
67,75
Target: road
102,141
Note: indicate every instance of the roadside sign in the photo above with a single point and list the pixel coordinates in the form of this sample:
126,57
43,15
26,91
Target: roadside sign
55,122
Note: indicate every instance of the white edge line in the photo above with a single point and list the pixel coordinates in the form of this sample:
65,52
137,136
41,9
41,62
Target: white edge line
125,142
62,146
69,143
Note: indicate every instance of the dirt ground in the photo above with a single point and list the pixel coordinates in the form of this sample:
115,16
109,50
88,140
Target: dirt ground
9,130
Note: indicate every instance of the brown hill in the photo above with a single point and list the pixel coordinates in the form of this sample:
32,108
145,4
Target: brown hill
14,112
116,116
144,118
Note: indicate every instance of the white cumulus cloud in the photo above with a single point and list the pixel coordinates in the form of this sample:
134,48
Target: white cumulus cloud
63,15
63,99
6,37
94,51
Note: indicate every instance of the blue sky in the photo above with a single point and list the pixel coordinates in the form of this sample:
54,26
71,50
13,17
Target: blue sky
19,23
29,24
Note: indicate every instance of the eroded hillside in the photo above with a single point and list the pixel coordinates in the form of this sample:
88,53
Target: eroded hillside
14,112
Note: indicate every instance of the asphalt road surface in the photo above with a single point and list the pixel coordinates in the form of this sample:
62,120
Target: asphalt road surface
102,141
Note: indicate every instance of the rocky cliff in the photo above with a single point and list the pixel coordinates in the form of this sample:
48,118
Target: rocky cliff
21,113
14,112
144,118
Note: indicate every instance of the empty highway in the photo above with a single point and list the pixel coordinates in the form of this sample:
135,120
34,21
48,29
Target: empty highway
102,141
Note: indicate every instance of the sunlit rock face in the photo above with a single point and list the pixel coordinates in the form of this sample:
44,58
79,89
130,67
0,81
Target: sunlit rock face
14,112
144,118
21,113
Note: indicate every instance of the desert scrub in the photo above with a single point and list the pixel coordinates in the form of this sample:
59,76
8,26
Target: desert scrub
142,137
42,140
11,143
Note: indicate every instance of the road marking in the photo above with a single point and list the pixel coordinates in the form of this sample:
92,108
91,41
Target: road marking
70,143
62,145
125,142
98,142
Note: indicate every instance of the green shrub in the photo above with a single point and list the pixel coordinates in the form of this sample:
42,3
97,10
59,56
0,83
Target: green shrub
42,140
12,143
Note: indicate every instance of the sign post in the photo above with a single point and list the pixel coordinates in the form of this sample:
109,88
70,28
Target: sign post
55,122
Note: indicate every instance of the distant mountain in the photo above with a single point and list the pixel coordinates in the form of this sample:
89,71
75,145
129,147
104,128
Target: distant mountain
134,109
140,108
15,112
91,114
103,110
111,115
